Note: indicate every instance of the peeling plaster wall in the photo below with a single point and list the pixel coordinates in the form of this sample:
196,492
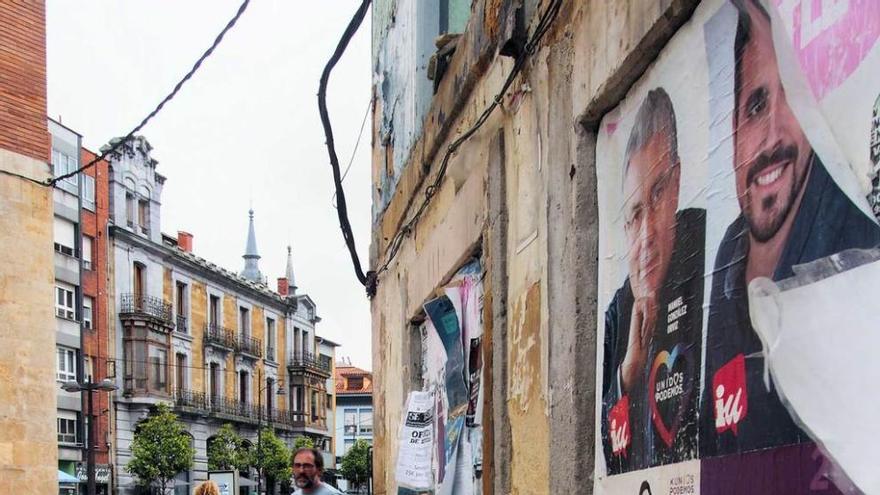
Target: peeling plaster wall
522,189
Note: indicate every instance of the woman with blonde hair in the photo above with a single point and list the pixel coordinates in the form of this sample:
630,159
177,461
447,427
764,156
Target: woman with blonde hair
208,488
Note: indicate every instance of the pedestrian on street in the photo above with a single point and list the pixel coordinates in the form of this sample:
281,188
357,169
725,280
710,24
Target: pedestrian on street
208,488
308,466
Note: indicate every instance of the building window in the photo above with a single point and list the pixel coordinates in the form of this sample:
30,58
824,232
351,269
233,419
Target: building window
355,382
244,322
314,406
139,279
67,428
88,304
181,370
270,339
326,362
158,364
180,300
329,401
270,395
350,421
87,252
296,399
64,302
365,422
65,369
130,208
65,237
87,369
64,164
243,386
214,311
144,216
89,191
214,378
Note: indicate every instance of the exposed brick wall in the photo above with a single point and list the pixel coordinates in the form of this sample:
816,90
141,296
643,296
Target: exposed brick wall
23,79
94,285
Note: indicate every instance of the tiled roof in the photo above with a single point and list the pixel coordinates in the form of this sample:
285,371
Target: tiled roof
343,372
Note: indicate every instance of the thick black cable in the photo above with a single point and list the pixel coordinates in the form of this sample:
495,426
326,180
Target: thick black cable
341,207
23,177
115,146
541,29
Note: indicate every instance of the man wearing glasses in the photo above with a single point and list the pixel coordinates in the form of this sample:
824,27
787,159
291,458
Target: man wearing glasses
653,323
308,466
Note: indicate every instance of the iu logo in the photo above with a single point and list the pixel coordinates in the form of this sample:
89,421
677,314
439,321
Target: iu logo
730,395
618,420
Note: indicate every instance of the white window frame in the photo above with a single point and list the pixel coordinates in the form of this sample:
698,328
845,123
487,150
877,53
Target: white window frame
62,163
65,301
87,314
87,246
65,364
70,420
61,244
88,190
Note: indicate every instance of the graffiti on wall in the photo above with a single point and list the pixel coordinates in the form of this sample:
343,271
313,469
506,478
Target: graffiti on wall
736,186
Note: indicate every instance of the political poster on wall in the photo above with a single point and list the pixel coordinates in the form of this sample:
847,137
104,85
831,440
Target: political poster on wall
737,185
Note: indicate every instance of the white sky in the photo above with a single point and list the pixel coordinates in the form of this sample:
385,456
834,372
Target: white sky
244,128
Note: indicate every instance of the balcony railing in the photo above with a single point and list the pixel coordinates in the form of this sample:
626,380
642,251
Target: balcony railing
139,304
250,345
243,411
181,324
308,359
219,336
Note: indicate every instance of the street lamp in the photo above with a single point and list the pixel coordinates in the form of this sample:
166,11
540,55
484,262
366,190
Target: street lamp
105,385
262,388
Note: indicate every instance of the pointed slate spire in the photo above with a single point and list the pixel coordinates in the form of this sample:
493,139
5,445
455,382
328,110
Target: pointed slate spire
291,282
251,257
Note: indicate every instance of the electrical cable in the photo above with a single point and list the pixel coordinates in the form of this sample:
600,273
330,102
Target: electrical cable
20,176
356,143
119,142
541,29
341,206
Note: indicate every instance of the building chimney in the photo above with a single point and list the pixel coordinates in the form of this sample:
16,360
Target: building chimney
185,241
282,286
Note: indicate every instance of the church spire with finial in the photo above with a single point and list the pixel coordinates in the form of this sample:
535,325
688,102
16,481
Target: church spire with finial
291,282
251,257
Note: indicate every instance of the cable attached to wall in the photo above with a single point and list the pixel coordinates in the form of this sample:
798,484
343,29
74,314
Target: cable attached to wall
341,206
406,229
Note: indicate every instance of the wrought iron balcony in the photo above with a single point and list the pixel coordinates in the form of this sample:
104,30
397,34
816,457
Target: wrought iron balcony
309,360
191,401
141,305
250,345
219,337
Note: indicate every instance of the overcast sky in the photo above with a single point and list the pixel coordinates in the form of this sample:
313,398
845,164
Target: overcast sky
245,130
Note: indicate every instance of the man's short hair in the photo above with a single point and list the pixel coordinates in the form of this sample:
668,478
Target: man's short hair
319,459
655,117
743,35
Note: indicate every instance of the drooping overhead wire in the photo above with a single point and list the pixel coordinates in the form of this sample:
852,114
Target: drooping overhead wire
118,143
341,206
531,45
356,144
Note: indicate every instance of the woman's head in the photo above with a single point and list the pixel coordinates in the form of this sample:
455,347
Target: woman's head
208,488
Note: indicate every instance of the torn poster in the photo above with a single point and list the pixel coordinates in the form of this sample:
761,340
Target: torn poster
820,338
414,459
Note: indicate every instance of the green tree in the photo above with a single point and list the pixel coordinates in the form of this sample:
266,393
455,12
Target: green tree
271,457
303,442
227,451
356,463
161,448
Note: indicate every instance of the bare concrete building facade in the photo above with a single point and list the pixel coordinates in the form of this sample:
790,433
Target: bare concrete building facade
555,193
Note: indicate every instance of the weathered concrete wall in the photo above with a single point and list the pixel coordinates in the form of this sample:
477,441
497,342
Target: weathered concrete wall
523,188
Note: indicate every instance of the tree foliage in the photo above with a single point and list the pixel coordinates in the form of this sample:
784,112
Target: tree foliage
227,450
161,448
356,463
303,442
271,456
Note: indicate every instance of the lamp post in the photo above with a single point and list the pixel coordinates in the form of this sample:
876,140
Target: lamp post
104,385
262,388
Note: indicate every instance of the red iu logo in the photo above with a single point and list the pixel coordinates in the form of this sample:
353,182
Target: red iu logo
618,420
730,395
